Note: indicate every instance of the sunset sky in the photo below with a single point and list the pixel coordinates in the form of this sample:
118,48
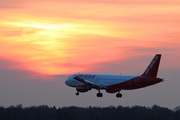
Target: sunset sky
42,42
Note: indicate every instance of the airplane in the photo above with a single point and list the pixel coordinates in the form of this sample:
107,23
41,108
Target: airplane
114,83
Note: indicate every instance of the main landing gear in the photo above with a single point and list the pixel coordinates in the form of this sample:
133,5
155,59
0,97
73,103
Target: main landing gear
99,94
118,95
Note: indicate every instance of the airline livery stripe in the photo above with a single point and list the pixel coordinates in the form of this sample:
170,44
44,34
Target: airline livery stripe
151,65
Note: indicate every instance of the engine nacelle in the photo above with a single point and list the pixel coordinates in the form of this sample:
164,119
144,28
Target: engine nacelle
111,90
83,88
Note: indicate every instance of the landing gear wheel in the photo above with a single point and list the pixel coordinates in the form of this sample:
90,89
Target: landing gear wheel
77,93
99,94
118,95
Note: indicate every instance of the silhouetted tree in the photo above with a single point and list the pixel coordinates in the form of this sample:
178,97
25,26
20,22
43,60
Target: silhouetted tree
44,112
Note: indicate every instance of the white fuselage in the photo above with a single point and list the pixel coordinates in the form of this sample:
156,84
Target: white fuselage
99,79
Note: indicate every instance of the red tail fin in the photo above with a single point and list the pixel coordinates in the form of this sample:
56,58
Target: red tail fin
152,69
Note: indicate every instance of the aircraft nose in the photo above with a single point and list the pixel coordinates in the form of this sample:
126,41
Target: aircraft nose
66,82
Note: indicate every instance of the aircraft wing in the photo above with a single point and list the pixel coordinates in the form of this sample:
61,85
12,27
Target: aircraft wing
92,84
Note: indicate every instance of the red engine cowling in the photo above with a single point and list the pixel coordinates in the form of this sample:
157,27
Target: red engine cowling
111,90
82,88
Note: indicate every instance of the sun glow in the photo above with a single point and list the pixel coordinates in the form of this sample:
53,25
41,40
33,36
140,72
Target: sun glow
63,38
48,48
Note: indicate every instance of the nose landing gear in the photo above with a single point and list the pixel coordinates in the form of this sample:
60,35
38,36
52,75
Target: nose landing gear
77,93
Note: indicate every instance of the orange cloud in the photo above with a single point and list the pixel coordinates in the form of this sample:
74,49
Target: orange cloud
55,37
40,47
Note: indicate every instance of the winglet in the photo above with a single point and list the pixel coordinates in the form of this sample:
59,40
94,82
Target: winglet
152,69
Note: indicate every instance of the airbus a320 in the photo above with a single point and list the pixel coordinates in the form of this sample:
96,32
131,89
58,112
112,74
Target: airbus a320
114,83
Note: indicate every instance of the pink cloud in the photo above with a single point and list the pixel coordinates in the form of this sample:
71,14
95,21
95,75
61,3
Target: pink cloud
75,32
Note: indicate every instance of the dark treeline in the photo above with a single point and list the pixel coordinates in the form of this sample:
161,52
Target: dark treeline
90,113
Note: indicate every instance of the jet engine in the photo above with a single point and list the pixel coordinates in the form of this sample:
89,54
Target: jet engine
83,88
111,90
